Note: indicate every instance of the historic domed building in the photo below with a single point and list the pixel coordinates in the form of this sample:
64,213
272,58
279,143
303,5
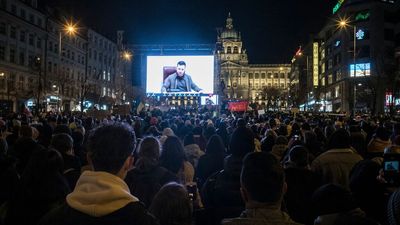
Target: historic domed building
241,80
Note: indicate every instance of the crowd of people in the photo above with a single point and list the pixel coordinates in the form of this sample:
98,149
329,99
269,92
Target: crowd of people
183,168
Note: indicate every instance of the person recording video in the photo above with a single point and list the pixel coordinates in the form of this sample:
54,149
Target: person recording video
179,81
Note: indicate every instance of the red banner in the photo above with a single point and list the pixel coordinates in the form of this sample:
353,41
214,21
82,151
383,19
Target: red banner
238,106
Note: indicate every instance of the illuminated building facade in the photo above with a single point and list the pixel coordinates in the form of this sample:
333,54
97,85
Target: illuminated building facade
240,80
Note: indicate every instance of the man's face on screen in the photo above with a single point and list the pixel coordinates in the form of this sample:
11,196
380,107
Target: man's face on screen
180,70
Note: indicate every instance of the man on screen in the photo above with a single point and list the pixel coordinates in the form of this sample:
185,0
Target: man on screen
179,81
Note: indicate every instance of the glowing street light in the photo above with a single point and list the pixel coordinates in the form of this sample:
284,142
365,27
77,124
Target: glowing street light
127,55
70,28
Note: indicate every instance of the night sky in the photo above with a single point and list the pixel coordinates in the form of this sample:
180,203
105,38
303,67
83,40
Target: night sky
271,30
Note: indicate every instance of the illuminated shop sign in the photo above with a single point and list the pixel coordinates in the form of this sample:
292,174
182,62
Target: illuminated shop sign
337,6
361,70
315,63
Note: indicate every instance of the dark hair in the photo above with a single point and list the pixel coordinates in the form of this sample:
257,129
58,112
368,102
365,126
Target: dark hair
209,131
62,128
172,206
241,142
281,140
149,147
339,139
148,152
62,142
299,156
181,63
262,177
110,145
172,155
188,140
382,133
215,145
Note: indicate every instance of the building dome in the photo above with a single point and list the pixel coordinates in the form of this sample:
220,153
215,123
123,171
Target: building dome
229,32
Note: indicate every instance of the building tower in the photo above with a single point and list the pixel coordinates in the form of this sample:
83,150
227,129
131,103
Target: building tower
232,58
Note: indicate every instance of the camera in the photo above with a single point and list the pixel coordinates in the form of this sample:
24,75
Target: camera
391,169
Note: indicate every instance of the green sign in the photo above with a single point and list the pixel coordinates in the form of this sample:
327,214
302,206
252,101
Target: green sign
337,6
362,16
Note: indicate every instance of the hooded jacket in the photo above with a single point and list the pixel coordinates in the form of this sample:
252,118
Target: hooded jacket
100,198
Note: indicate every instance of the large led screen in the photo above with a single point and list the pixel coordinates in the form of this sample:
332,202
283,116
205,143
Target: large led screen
180,74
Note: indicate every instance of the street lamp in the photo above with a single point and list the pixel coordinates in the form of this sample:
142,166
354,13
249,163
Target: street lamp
343,23
300,54
126,55
69,29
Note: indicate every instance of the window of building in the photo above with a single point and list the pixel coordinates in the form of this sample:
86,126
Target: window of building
30,59
269,75
30,83
22,57
39,22
31,18
13,32
39,42
22,36
73,55
49,66
104,91
330,79
262,75
2,50
257,76
235,50
3,28
21,82
282,76
23,14
276,75
3,4
323,67
251,76
338,59
337,91
330,63
12,55
13,9
229,49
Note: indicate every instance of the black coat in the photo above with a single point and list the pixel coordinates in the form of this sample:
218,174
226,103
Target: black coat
221,192
207,165
132,214
301,185
144,184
